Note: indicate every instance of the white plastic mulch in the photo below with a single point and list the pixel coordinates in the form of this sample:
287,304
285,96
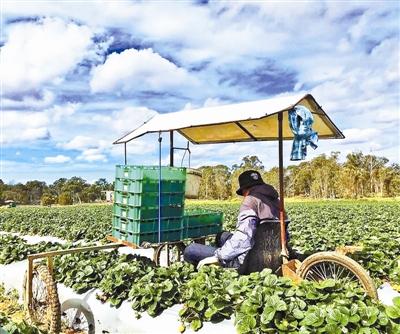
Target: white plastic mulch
109,319
122,320
34,239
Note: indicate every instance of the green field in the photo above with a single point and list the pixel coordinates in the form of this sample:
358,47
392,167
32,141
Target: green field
213,294
315,226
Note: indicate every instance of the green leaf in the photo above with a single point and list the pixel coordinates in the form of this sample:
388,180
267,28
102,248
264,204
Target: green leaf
393,312
196,324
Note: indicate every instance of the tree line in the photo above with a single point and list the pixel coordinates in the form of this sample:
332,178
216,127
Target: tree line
322,177
62,191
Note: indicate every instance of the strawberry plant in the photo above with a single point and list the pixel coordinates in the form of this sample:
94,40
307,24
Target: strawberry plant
14,248
119,279
160,288
83,271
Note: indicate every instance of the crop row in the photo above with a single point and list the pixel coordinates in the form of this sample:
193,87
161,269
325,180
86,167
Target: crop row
315,226
260,302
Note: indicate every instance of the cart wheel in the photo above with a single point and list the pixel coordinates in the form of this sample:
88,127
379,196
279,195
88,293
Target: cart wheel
44,308
77,317
174,253
324,265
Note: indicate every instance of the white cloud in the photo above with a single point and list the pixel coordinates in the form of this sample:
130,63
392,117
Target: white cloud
78,143
59,113
347,56
130,118
59,159
44,52
30,102
92,154
29,126
138,70
95,134
360,135
20,127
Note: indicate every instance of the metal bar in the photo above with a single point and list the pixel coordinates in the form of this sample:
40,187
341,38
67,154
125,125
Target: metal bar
73,250
159,187
171,148
168,262
284,252
245,131
181,148
125,154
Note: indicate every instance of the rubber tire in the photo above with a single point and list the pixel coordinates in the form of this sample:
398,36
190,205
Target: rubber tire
52,298
82,306
343,260
158,250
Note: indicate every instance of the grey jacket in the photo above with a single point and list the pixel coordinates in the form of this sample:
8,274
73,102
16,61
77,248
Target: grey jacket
261,203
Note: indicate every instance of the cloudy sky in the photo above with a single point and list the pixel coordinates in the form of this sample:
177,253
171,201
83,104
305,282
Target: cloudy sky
76,75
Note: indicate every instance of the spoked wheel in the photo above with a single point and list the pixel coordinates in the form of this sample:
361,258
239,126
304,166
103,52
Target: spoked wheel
44,308
76,317
171,252
332,265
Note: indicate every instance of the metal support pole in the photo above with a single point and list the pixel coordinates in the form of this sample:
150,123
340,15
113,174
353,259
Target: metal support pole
125,154
171,148
284,253
159,187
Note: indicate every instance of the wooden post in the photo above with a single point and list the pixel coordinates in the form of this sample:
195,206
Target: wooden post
50,264
284,253
171,148
28,291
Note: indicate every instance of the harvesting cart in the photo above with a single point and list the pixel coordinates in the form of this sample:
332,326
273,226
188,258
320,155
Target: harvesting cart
265,120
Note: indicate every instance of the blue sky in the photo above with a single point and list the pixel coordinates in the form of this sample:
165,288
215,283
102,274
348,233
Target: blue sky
75,76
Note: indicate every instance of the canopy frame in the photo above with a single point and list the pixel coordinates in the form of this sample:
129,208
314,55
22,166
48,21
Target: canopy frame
238,126
335,134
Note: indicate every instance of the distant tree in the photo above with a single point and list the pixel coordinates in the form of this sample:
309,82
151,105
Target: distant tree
222,181
91,193
248,163
65,198
75,185
35,190
56,187
207,185
48,199
272,177
103,184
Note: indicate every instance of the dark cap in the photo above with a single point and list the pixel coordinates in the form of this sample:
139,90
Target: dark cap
248,179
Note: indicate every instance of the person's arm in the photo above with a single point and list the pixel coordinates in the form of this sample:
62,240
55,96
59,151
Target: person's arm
241,240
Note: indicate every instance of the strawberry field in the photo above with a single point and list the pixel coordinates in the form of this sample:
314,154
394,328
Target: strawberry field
260,302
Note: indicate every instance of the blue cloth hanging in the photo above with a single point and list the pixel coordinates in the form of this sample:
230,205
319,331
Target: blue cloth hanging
300,121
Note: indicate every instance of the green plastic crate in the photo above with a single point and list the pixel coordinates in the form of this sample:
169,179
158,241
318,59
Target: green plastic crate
141,212
198,223
149,199
200,231
146,186
139,238
194,218
150,172
148,225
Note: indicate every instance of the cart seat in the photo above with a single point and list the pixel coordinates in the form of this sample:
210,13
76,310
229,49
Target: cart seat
266,252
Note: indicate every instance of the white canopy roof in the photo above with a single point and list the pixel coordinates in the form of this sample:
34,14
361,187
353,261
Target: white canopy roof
248,121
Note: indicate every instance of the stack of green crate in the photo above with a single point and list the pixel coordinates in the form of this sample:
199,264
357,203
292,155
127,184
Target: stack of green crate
198,223
136,203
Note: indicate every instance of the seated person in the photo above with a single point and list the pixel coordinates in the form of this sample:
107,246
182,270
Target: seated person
260,202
